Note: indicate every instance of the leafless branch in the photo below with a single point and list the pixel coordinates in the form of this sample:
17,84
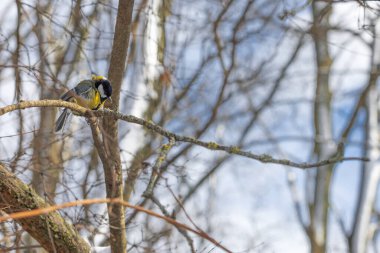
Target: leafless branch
264,158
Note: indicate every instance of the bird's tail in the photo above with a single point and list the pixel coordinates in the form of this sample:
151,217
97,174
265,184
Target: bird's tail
60,123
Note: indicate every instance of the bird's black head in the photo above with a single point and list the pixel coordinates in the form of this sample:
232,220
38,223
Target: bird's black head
104,87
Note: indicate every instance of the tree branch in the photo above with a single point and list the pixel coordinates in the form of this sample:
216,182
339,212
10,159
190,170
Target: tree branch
264,158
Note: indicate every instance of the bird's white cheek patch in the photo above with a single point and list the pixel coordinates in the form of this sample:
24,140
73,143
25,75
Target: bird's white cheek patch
101,91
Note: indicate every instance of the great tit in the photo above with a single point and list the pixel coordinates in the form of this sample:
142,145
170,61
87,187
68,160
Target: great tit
88,93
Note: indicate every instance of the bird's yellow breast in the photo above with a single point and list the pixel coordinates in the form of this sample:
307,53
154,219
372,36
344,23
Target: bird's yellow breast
94,103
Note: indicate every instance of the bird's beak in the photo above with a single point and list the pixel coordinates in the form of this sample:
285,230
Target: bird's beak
110,100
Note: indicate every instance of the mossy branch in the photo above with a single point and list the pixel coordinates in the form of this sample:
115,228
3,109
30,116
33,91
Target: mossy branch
15,196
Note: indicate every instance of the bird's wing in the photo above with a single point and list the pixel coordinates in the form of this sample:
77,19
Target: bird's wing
85,88
82,89
68,95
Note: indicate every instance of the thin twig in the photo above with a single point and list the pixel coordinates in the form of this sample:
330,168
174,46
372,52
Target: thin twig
180,230
41,211
156,173
156,170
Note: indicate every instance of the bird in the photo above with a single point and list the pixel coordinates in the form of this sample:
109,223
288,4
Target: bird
91,94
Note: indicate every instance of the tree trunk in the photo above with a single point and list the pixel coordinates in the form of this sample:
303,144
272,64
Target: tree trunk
371,171
109,150
149,87
323,129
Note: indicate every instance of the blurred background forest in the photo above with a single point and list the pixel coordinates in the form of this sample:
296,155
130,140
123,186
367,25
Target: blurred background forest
291,79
